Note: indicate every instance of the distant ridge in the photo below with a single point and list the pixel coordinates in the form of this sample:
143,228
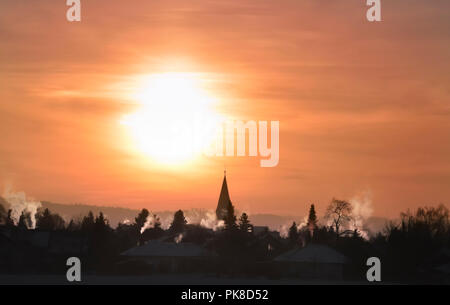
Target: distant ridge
78,211
119,214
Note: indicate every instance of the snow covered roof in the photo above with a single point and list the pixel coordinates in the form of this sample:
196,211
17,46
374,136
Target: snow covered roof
313,254
160,248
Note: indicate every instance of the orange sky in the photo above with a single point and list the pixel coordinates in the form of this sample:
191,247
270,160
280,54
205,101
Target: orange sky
363,107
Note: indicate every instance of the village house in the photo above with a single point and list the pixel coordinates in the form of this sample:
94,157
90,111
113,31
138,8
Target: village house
163,256
312,262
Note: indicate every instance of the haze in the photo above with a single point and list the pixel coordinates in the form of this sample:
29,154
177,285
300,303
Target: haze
363,107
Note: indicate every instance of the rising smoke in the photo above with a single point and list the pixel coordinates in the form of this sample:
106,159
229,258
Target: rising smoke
150,222
362,210
18,203
205,218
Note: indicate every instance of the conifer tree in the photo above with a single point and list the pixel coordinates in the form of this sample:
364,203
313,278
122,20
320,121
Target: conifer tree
244,223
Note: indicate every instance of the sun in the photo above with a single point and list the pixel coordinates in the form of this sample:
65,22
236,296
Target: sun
176,119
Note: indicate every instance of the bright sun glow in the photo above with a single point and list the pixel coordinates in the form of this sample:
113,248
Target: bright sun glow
176,120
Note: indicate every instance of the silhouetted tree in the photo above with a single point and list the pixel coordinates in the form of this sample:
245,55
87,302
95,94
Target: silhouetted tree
244,223
87,224
58,222
74,226
312,219
101,223
293,233
49,222
153,231
44,220
141,219
9,221
3,212
179,222
230,219
416,240
156,222
25,220
105,247
126,236
197,234
324,235
339,213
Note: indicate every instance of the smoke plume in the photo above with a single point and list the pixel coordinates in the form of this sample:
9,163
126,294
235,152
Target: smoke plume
362,210
18,203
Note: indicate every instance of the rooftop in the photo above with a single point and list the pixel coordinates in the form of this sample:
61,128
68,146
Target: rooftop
161,248
313,254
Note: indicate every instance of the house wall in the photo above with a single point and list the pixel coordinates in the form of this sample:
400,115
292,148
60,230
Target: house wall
177,264
326,271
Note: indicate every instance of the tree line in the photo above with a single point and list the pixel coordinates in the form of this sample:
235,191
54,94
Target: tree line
408,247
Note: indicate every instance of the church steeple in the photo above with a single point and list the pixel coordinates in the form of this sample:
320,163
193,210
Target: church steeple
224,199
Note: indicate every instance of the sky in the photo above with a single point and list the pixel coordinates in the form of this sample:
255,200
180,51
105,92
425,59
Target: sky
364,108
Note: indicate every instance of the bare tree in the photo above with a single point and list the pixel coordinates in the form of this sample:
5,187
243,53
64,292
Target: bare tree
340,213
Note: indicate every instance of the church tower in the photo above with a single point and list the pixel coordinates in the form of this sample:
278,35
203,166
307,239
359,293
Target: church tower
224,199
